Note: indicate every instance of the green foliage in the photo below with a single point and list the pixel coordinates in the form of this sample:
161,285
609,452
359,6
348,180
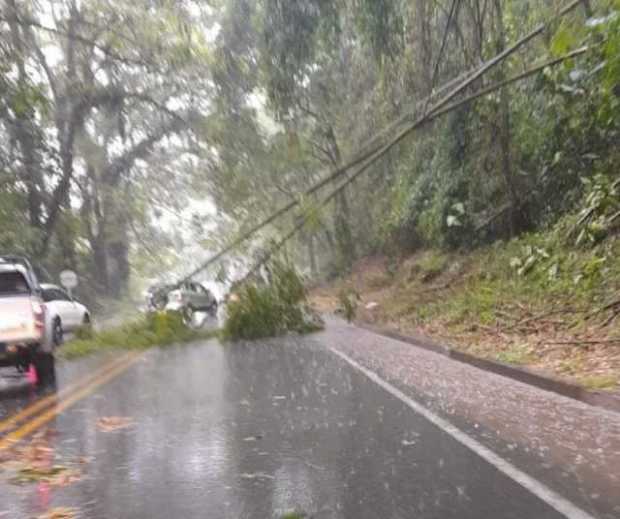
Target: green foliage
292,31
27,100
515,355
85,333
432,264
381,23
16,233
601,210
555,272
599,382
156,329
269,310
348,299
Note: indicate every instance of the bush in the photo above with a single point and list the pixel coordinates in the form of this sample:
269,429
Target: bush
270,310
348,299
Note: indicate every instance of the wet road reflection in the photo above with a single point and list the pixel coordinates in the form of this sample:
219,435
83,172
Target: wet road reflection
255,431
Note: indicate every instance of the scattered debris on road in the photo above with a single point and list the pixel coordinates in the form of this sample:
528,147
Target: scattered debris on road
59,513
114,423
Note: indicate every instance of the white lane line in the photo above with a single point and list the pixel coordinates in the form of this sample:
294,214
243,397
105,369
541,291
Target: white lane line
540,490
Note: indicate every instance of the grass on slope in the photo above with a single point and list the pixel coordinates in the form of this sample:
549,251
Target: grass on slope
533,301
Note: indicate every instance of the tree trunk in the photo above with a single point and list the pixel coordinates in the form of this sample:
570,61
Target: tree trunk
69,118
422,39
505,136
67,238
344,235
23,128
314,271
100,261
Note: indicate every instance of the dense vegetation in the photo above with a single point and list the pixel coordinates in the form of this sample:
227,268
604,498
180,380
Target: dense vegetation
116,117
514,161
269,309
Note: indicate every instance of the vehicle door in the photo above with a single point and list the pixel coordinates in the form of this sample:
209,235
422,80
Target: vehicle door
74,309
54,303
61,304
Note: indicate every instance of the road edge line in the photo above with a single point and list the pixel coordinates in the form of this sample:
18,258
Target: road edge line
543,492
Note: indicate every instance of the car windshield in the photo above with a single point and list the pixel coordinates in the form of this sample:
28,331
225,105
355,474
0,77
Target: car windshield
371,246
12,283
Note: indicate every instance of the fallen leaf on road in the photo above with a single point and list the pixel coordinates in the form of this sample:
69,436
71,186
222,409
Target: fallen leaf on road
59,513
113,423
56,476
34,462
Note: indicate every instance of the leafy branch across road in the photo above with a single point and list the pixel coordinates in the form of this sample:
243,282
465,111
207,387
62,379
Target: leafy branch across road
155,329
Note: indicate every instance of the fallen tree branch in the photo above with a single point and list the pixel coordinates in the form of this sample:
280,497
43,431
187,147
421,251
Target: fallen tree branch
611,318
608,306
436,288
581,342
539,317
611,305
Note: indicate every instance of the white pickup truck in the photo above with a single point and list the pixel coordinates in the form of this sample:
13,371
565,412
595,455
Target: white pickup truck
25,337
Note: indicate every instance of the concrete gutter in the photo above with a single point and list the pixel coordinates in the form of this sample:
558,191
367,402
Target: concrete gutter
605,400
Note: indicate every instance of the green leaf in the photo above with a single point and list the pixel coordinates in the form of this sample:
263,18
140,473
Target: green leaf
529,265
553,271
453,221
459,208
562,41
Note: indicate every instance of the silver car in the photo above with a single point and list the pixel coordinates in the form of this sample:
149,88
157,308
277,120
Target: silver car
192,297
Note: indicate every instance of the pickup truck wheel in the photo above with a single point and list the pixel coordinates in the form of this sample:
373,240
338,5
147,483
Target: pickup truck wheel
58,335
45,368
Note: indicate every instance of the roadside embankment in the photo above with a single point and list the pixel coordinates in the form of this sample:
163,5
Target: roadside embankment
529,302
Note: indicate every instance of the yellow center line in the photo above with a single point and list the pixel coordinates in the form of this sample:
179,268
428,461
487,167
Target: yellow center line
42,419
38,405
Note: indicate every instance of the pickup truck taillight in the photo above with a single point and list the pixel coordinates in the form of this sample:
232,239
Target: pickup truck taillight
38,311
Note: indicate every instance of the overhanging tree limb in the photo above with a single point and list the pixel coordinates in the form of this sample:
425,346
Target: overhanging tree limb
378,151
30,22
449,108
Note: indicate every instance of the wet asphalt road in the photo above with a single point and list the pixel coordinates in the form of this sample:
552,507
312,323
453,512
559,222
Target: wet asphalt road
259,430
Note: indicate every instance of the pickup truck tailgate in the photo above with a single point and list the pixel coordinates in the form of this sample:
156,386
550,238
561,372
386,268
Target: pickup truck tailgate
17,321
